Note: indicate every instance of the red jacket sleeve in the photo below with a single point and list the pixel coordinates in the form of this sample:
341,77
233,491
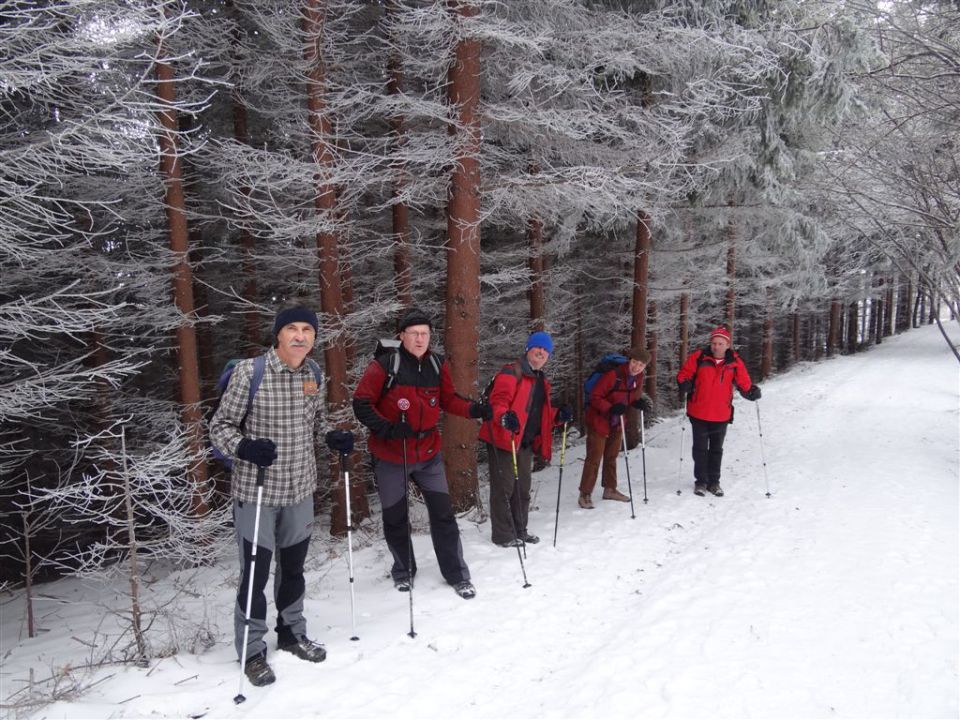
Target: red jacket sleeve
600,391
689,368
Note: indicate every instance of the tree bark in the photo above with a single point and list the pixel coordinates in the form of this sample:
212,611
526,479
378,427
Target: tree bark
766,356
538,302
401,213
833,330
171,172
683,329
730,305
328,256
853,323
638,326
462,335
252,327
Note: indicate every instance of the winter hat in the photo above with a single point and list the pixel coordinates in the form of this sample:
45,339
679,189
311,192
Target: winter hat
638,353
540,339
413,316
721,331
295,314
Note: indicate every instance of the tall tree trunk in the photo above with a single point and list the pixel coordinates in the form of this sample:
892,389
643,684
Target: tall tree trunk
171,172
252,323
890,307
797,356
651,382
462,335
730,305
684,330
766,356
878,313
401,213
579,361
853,323
331,301
638,325
538,302
833,329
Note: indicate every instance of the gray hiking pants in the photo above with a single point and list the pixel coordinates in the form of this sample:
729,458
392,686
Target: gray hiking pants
284,532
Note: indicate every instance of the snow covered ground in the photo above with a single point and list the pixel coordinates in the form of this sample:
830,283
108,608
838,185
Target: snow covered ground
835,597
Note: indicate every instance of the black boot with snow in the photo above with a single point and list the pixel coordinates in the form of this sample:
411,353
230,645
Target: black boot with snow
258,672
715,489
306,649
465,589
699,488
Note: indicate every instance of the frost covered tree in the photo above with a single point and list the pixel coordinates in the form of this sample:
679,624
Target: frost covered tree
87,309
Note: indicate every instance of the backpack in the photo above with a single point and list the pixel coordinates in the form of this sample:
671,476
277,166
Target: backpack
485,393
259,368
392,366
607,363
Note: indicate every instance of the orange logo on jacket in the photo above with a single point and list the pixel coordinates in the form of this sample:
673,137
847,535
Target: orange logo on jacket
310,387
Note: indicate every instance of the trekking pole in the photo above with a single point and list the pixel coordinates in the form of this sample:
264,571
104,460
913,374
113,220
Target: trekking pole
513,521
763,458
346,485
626,461
683,427
403,404
643,456
563,447
261,472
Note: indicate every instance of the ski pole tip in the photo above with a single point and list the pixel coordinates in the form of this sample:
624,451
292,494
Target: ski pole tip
239,699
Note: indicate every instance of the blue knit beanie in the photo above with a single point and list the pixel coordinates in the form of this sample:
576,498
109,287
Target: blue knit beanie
295,314
540,340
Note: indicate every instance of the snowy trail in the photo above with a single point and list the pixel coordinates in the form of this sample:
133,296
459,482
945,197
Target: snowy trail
836,597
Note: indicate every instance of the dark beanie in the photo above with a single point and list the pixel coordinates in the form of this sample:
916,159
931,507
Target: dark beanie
295,314
413,316
638,353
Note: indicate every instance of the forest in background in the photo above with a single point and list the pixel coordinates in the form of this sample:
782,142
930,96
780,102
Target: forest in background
616,173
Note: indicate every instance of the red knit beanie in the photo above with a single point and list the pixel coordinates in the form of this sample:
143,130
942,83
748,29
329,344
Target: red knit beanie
721,331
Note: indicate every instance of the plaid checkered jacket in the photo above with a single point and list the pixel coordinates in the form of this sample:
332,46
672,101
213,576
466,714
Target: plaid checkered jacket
285,409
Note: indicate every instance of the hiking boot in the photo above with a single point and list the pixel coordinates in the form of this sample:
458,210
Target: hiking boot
614,494
402,584
715,489
306,649
465,589
699,488
530,539
510,543
258,672
585,502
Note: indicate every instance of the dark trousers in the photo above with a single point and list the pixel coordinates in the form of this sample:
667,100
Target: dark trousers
284,535
509,495
707,449
432,481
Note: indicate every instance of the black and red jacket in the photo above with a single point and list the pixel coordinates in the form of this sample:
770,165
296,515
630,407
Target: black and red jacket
428,392
511,391
713,383
611,388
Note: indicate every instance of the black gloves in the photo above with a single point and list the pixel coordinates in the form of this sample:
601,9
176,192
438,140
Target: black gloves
564,414
753,393
643,403
340,441
618,409
397,431
686,388
259,452
481,410
510,421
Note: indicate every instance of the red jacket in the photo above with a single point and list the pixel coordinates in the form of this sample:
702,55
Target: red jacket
713,383
610,389
511,393
428,393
